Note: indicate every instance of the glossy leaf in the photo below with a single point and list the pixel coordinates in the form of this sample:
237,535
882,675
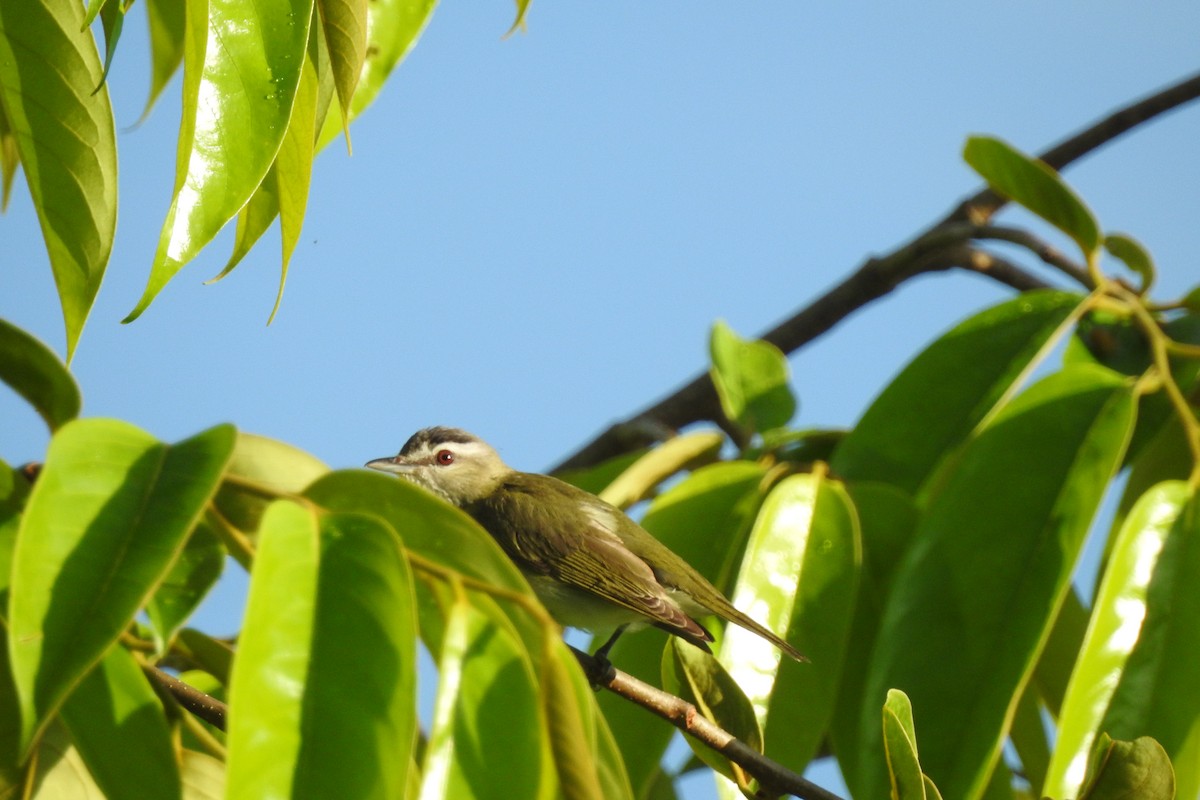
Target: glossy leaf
345,28
929,409
1031,183
694,675
186,585
1134,255
1120,610
63,129
900,748
117,723
166,19
679,453
34,372
991,561
485,719
799,577
1156,695
242,65
574,757
751,379
109,513
393,27
1121,770
323,694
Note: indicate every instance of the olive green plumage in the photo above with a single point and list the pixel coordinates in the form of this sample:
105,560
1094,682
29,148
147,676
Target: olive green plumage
591,565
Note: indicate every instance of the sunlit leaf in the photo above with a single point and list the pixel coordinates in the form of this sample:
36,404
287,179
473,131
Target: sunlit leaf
751,379
1134,255
166,19
900,748
112,17
1120,609
1121,770
60,771
34,372
118,726
106,518
186,585
49,69
345,27
242,65
203,776
679,453
574,758
933,405
990,563
1031,183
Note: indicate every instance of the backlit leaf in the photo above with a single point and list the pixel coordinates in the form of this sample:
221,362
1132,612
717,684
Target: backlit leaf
34,372
751,379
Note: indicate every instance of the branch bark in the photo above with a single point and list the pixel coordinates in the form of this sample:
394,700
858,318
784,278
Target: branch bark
877,277
204,706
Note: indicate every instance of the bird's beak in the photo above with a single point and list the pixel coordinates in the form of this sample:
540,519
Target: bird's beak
391,464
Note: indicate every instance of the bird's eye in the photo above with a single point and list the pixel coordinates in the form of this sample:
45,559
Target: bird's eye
444,457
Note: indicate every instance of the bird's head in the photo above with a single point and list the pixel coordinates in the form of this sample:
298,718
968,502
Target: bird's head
457,466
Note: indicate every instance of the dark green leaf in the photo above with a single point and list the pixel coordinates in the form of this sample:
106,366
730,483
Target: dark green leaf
1028,736
186,585
751,379
109,513
1120,608
213,656
112,16
118,726
167,20
10,160
927,412
246,67
1054,668
1134,255
12,498
991,561
35,373
1122,770
64,135
1031,183
1157,694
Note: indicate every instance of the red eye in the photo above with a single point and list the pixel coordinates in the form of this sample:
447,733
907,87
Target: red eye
444,457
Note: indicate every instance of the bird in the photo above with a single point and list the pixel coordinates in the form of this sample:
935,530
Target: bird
589,564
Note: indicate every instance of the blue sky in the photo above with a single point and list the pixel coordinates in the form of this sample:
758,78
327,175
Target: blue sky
534,234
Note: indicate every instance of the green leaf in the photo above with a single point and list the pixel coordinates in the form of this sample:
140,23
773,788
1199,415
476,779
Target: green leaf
49,69
900,748
925,414
596,478
1121,770
167,20
213,656
59,769
242,65
1156,694
1054,667
638,481
34,372
485,718
112,17
751,379
10,160
393,27
1134,255
1031,183
12,493
203,776
1120,609
118,726
574,758
990,563
344,23
697,677
800,573
186,585
1028,737
109,513
323,697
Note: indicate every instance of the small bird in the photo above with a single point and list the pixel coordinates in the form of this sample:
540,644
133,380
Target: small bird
591,566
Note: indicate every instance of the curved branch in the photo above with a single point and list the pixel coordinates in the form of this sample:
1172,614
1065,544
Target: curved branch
204,706
683,715
697,400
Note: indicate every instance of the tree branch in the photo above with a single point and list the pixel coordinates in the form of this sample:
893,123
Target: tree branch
877,277
206,707
773,777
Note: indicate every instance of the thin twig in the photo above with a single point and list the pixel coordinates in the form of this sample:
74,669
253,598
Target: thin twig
877,277
206,707
771,775
1039,247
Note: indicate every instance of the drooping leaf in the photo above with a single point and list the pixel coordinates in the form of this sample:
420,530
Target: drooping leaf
167,21
1156,694
1028,737
186,585
344,23
393,27
112,18
751,379
1134,255
929,409
1120,770
322,697
1031,183
799,577
34,372
1120,610
117,723
107,516
679,453
990,563
241,68
64,135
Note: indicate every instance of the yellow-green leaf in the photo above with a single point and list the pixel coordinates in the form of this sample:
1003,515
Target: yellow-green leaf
167,19
345,26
